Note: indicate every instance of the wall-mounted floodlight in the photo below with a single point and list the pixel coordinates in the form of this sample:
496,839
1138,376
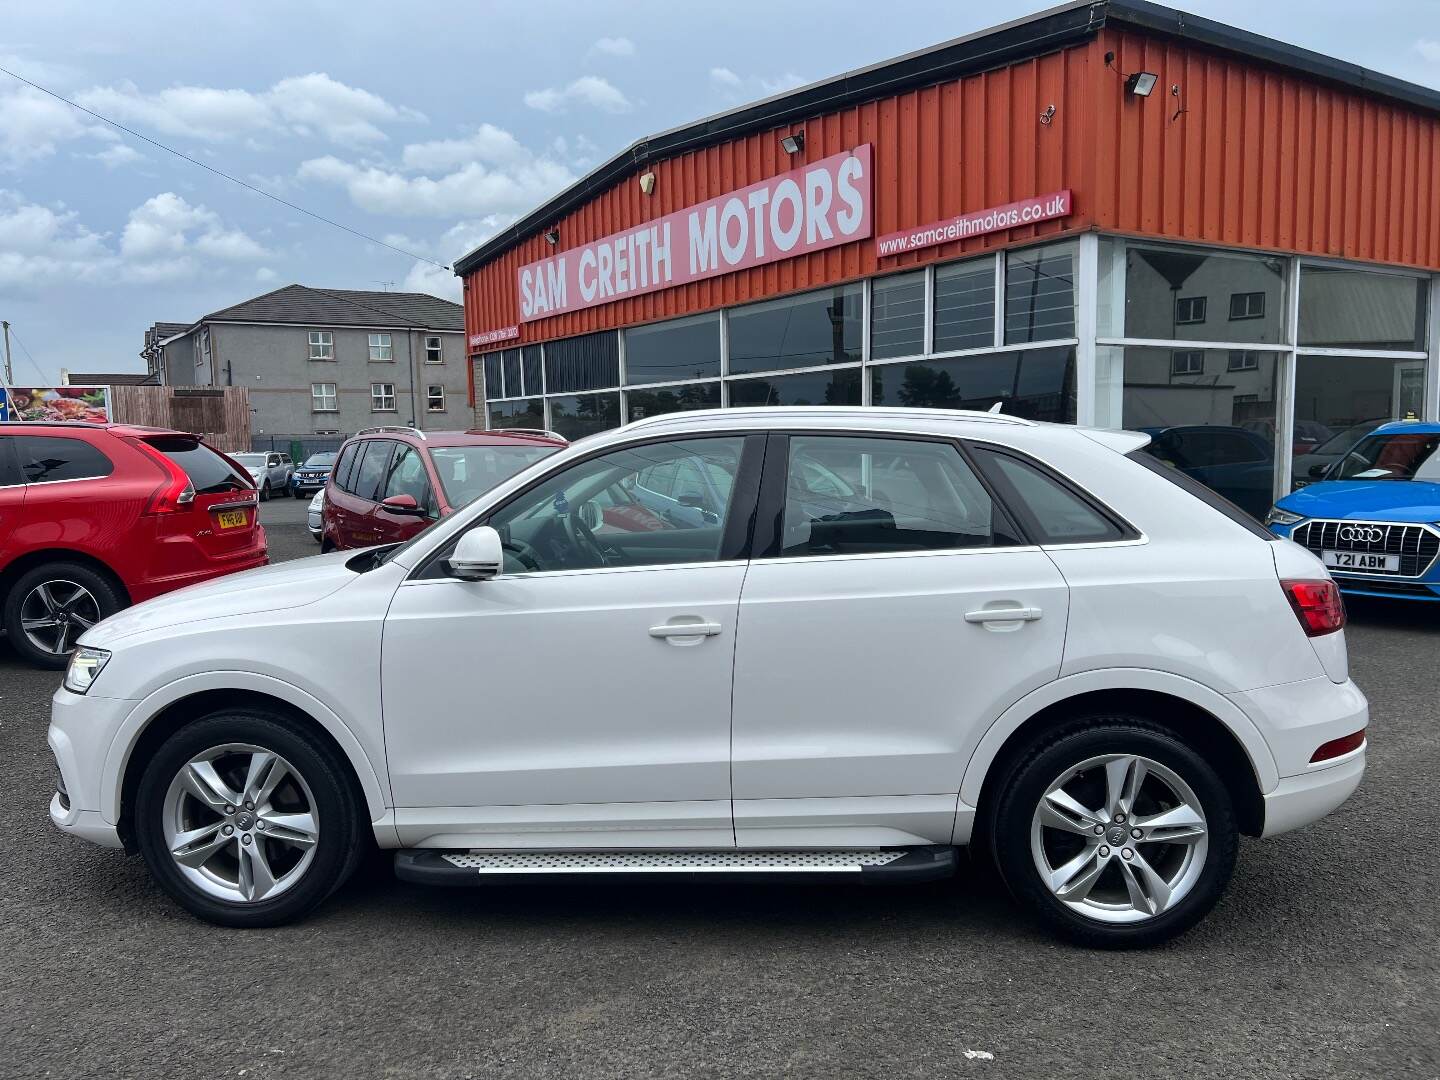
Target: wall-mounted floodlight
647,183
793,143
552,236
1141,83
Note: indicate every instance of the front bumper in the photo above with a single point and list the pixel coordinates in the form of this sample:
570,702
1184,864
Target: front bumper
1425,588
81,729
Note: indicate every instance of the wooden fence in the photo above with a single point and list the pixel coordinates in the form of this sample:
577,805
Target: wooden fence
220,415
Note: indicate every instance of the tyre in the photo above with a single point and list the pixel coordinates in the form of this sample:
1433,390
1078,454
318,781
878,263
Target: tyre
246,820
265,491
49,607
1115,833
297,493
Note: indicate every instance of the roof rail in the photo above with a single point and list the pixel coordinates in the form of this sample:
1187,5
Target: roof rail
793,411
542,433
393,428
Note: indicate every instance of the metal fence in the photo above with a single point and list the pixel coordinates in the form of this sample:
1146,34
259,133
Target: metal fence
299,447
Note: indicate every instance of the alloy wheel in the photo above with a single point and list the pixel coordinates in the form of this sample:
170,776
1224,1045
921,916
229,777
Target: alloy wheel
1119,838
240,823
55,613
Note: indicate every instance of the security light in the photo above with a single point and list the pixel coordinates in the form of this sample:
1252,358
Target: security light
552,236
1141,83
647,183
794,142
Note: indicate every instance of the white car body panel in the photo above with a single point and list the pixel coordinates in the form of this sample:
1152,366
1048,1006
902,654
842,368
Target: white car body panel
536,711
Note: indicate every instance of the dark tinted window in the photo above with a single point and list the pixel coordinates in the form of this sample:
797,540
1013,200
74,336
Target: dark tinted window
1052,512
371,470
584,414
591,362
965,305
670,399
798,331
1039,294
513,385
897,315
1208,496
494,382
346,466
530,360
810,388
1038,384
9,471
46,458
679,349
849,495
525,413
208,471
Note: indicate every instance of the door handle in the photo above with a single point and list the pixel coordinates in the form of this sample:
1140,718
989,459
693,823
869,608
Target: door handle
686,629
1004,614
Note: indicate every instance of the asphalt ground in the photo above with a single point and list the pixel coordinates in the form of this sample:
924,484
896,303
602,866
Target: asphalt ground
1322,960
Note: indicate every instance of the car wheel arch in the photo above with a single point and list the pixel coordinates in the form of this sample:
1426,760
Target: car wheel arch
173,707
1199,716
31,559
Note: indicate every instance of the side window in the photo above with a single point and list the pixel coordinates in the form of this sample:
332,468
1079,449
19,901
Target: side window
45,459
596,513
9,471
345,464
371,470
407,477
1051,511
855,495
658,478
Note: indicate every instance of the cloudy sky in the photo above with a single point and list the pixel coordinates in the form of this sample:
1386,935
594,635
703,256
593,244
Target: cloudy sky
428,125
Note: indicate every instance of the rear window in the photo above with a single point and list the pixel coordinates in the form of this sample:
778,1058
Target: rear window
209,473
45,459
1206,495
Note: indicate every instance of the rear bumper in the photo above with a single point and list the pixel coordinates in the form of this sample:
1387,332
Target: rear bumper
250,559
1299,800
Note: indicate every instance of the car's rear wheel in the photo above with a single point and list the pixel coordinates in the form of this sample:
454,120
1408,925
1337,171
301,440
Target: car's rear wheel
1116,833
49,607
297,493
246,821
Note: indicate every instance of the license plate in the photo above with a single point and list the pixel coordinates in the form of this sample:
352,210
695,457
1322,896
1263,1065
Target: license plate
232,519
1359,560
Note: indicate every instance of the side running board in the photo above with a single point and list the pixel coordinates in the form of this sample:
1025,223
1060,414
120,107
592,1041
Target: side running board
434,867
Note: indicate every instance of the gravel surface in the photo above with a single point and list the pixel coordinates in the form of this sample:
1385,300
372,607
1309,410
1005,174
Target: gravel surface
1322,960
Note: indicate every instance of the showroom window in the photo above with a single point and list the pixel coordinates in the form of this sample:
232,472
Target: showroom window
531,365
1359,309
808,330
524,413
591,362
656,401
1038,384
897,315
1040,294
964,309
675,350
809,388
578,415
510,365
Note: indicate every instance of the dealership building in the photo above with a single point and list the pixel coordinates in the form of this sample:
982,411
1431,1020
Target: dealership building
1110,213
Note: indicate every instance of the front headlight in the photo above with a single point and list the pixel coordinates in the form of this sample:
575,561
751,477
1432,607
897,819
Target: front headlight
1282,517
85,667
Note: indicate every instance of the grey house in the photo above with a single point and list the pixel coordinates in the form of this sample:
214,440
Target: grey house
326,361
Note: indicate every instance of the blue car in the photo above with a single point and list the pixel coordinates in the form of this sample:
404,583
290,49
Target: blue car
1374,519
311,476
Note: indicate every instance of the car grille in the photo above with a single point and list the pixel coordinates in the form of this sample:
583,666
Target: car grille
1416,545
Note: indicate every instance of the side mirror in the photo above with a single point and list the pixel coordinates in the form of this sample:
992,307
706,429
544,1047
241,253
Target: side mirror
478,555
692,499
1317,471
404,505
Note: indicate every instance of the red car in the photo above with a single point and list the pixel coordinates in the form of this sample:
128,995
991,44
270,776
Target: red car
95,517
391,482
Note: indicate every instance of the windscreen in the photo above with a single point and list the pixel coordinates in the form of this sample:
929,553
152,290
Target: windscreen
320,461
1401,456
250,461
468,471
209,473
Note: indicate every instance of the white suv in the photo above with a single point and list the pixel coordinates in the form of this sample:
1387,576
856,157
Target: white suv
839,641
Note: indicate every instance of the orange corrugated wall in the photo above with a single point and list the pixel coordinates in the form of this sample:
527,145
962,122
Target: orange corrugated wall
1259,157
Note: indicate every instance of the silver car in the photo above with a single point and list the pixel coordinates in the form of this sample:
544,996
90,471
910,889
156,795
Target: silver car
315,516
270,471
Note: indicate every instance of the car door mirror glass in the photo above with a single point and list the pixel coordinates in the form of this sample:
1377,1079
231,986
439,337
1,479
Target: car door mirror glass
478,555
404,504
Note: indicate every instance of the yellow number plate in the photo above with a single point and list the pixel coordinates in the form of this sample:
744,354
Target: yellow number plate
232,519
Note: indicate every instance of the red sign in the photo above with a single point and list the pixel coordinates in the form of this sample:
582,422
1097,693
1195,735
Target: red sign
807,209
963,226
489,337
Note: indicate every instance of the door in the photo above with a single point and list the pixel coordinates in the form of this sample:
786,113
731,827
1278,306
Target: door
405,475
896,614
582,698
358,527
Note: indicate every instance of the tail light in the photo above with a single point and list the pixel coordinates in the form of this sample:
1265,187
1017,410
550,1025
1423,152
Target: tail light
176,493
1336,747
1317,605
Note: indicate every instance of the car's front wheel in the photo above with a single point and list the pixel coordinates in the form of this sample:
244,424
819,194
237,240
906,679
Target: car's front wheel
1116,833
246,820
265,491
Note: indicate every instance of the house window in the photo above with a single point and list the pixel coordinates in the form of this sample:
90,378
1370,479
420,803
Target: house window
435,399
1247,305
1244,359
434,354
322,345
382,395
1187,362
380,347
1189,309
322,397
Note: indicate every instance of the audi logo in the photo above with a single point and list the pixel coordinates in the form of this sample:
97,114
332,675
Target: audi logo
1362,534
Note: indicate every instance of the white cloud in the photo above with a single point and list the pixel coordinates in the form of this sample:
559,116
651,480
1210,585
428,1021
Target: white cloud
487,143
732,86
614,46
1428,49
34,124
302,105
44,244
116,155
589,91
435,280
456,241
265,275
470,190
722,78
166,227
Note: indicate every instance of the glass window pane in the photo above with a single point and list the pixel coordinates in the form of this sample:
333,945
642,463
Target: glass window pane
897,315
407,477
1038,384
530,360
965,305
811,388
797,331
679,349
1341,399
608,497
1040,294
1215,424
1189,294
1395,456
591,362
670,399
43,459
1055,513
494,380
366,483
512,373
1354,309
848,496
527,413
584,414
